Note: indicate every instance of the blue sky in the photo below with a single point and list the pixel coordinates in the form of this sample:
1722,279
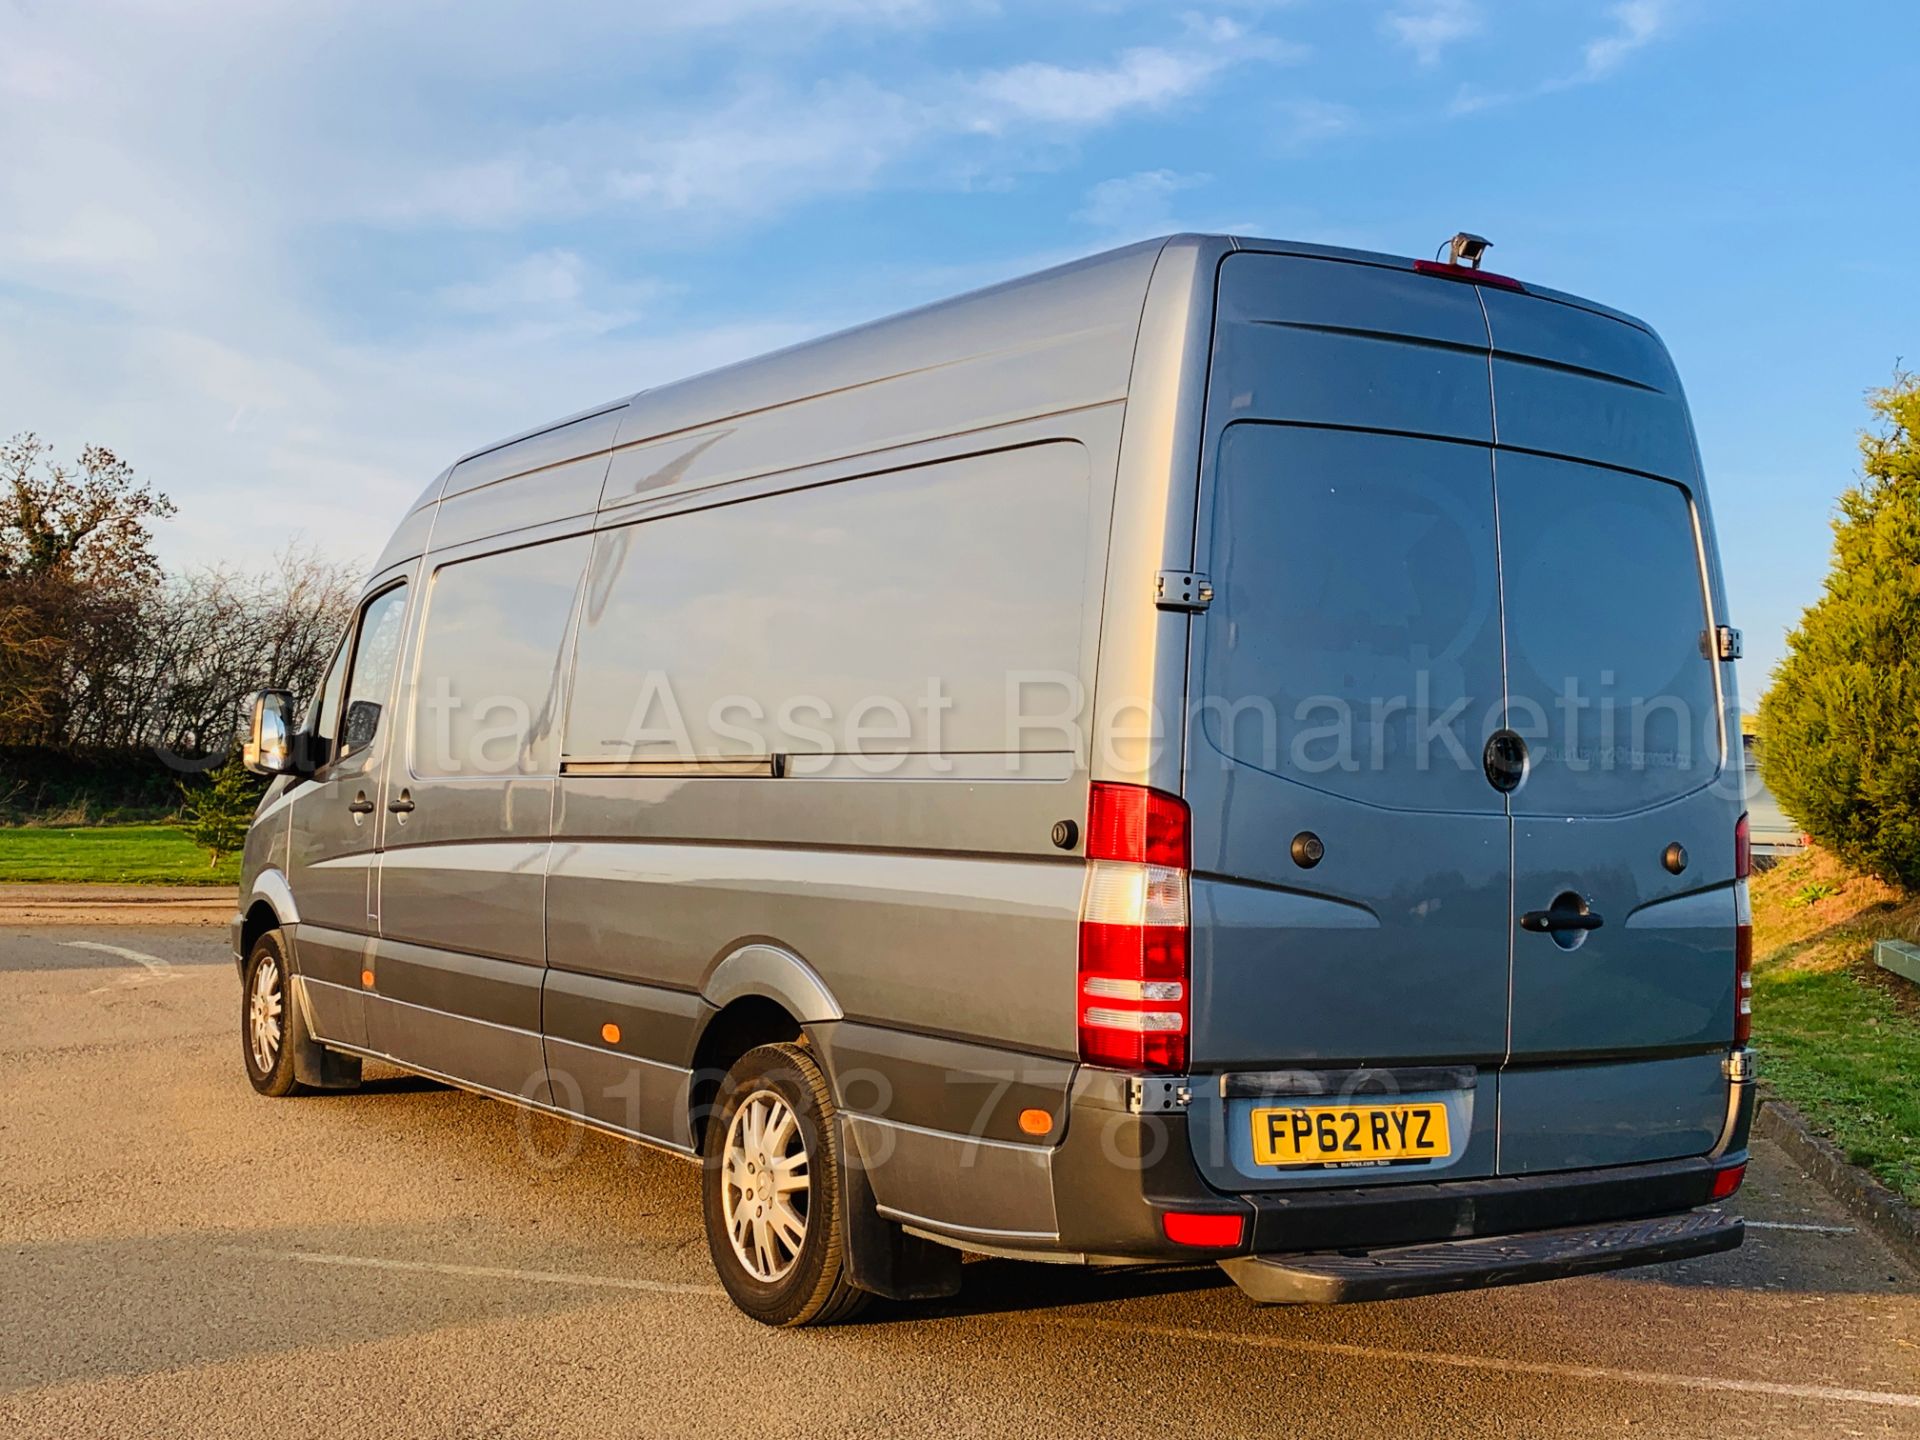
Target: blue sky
290,260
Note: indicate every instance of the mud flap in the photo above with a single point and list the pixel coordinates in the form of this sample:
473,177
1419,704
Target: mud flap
882,1258
324,1069
314,1065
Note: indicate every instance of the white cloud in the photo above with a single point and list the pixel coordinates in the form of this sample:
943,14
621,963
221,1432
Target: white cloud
1309,121
769,147
1428,27
292,262
1637,23
1143,78
1137,204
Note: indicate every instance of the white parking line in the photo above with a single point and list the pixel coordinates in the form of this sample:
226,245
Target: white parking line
152,967
1726,1384
1800,1228
1889,1399
484,1272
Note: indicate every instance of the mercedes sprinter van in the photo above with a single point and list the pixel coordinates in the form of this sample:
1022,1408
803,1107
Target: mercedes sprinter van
1222,752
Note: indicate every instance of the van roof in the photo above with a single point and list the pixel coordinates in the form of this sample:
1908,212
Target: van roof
1103,291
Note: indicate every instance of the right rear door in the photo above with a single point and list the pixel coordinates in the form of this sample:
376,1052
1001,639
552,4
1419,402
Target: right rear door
1618,1032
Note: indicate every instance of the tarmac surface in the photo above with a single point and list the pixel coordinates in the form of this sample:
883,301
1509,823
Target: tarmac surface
179,1256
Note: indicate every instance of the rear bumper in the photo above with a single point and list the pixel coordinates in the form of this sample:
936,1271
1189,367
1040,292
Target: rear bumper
1395,1272
1117,1175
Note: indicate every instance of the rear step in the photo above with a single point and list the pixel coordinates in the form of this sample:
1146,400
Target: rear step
1332,1276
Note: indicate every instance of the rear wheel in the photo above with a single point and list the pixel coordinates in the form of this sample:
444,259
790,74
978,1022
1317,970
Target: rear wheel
771,1191
271,1027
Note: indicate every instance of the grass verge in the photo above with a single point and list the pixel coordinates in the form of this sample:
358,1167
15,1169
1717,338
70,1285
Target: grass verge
1839,1038
109,855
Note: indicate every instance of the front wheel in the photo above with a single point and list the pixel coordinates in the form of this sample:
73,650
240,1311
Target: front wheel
271,1026
771,1191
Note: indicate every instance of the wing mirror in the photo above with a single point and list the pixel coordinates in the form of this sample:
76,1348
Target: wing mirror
269,748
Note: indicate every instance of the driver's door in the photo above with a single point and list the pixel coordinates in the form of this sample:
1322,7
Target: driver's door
330,853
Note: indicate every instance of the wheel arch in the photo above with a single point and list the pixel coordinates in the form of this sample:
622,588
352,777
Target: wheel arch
760,969
761,994
268,906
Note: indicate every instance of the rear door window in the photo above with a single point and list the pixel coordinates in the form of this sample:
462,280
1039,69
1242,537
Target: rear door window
1355,642
1608,670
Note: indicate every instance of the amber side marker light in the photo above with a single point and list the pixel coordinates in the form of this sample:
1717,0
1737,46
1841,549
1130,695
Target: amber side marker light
610,1033
1036,1122
366,979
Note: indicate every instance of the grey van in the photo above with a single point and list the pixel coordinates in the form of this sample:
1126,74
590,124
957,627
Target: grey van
1219,752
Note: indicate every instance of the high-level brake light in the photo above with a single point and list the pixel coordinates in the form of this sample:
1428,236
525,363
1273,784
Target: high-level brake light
1464,253
1461,272
1133,980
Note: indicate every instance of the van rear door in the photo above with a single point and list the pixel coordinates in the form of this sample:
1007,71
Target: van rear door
1612,676
1427,522
1343,686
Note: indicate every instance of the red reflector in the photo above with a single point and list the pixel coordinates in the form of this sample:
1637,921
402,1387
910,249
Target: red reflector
1131,822
1742,849
1472,277
1725,1182
1212,1232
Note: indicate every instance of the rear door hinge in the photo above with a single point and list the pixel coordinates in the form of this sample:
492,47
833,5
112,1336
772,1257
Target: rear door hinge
1182,590
1158,1094
1726,642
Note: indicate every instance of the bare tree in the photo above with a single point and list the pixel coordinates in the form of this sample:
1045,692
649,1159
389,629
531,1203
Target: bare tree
76,568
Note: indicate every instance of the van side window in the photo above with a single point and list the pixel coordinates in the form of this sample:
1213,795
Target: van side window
323,711
820,621
487,694
375,650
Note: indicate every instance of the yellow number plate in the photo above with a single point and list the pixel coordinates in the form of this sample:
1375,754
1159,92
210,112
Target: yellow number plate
1349,1134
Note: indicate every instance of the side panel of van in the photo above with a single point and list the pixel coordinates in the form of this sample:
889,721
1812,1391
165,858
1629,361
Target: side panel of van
838,723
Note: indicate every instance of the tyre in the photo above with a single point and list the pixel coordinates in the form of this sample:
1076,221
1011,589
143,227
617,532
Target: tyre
772,1193
272,1030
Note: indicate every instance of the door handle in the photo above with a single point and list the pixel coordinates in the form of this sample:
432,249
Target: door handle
402,804
360,804
1545,922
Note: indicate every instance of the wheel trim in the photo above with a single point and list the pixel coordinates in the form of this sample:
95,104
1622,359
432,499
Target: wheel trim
765,1186
265,1015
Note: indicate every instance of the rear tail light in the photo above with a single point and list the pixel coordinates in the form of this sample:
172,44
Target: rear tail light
1726,1181
1133,981
1742,935
1743,982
